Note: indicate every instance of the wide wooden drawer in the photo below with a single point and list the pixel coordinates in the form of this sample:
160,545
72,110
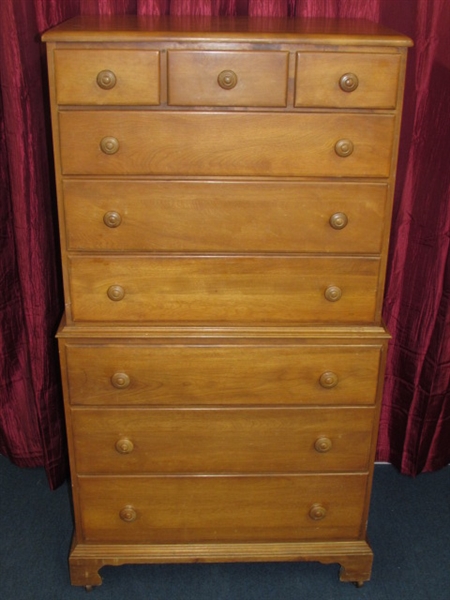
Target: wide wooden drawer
223,509
189,216
219,440
185,375
223,289
347,80
227,78
225,144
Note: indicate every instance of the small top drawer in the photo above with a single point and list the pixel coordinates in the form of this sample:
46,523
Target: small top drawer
217,78
113,77
346,80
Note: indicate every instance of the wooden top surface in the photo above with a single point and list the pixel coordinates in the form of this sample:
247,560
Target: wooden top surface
131,28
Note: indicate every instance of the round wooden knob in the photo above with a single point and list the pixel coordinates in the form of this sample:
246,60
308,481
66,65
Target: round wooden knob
328,379
333,293
227,79
109,145
120,380
343,148
124,446
106,80
348,82
322,444
116,293
317,512
112,219
338,220
128,514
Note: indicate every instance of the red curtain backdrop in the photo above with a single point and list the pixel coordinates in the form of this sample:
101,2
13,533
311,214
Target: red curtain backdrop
415,421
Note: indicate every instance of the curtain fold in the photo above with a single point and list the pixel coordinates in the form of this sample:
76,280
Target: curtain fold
268,8
31,419
415,420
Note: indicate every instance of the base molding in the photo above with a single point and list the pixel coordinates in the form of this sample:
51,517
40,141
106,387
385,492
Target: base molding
85,560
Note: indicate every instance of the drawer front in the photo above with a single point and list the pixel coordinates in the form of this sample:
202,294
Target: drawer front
226,144
222,509
176,375
217,78
100,77
256,289
220,216
347,80
271,440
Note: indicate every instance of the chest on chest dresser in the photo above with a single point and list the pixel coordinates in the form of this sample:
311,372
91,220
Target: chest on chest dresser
224,193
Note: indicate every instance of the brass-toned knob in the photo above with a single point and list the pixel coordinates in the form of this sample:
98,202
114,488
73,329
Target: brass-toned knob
227,79
128,514
317,512
109,145
124,446
106,79
116,293
120,380
338,220
344,148
322,444
348,82
112,219
328,379
333,293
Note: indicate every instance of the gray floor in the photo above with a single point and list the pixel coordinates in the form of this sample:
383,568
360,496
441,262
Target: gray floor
409,530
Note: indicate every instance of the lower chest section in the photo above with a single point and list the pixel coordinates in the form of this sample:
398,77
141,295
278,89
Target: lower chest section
226,442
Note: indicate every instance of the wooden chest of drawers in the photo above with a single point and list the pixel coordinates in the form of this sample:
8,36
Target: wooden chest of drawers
225,190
